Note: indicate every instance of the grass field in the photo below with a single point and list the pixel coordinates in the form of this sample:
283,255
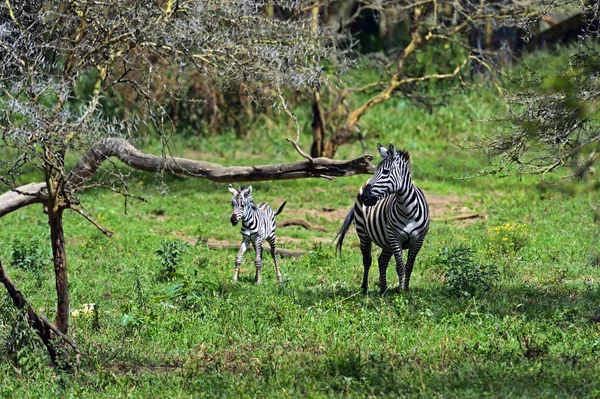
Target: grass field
175,326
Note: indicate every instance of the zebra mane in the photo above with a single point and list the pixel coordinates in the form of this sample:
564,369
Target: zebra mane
404,155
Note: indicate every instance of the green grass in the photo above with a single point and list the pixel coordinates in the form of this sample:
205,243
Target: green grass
535,333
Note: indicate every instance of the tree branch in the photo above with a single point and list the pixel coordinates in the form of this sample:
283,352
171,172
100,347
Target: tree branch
129,155
19,197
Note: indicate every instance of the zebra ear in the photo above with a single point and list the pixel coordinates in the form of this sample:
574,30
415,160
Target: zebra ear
382,151
232,190
392,150
247,191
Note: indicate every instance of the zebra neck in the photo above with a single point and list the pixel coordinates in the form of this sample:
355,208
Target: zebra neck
249,216
404,197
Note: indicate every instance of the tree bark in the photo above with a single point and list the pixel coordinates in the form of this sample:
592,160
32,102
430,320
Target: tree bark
318,127
60,268
129,155
23,196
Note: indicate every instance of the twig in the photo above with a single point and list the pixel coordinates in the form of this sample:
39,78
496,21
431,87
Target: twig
104,230
293,117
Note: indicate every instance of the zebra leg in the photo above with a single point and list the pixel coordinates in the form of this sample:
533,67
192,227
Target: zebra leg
412,255
258,260
238,259
365,249
399,265
274,255
384,260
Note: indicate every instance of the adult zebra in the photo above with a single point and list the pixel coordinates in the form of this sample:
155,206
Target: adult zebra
393,222
258,224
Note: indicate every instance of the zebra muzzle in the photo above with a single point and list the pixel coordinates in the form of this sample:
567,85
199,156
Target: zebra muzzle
366,197
234,219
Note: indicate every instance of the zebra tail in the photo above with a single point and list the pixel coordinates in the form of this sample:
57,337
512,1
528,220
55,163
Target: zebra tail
280,208
342,233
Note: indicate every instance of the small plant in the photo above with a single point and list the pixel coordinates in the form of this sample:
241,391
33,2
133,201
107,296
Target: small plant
170,253
320,256
462,275
507,239
28,255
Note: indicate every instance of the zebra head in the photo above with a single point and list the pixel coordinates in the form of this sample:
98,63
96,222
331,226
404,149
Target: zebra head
391,175
240,202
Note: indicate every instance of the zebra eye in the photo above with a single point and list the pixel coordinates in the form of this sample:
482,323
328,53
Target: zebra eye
385,172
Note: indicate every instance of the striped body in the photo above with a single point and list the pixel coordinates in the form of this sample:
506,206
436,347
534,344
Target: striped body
258,225
392,213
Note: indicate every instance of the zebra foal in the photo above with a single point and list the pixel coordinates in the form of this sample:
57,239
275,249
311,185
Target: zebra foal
258,224
391,212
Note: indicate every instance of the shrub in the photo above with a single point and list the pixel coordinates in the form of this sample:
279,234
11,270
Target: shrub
20,345
28,255
463,276
170,253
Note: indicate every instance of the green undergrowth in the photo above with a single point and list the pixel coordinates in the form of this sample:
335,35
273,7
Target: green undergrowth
157,315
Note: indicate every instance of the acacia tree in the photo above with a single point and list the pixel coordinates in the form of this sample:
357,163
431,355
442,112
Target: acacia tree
553,118
442,23
59,59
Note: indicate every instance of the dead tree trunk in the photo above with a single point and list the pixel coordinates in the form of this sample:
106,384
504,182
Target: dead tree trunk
60,268
318,127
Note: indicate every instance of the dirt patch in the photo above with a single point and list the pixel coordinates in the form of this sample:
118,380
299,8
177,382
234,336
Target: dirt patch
311,240
441,207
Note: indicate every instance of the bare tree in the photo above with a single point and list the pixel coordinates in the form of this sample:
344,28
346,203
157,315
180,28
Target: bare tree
59,59
429,23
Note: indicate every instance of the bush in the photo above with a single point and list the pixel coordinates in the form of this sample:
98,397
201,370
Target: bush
20,345
28,255
170,253
464,277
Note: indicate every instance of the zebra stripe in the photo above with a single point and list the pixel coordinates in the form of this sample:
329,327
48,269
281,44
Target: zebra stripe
258,225
391,212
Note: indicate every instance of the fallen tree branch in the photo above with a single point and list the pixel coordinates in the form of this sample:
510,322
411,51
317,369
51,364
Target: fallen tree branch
129,155
85,169
22,196
301,223
46,330
286,253
461,217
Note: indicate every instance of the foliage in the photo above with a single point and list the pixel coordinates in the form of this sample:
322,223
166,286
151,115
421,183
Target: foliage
463,276
170,253
29,254
321,255
553,119
507,239
20,344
